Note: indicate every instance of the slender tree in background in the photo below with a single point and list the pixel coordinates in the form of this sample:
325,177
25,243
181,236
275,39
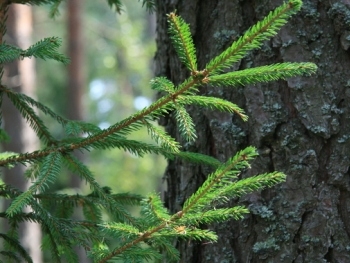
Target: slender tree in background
75,70
76,83
300,126
20,75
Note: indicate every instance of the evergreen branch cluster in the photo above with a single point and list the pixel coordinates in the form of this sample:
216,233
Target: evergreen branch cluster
44,49
149,236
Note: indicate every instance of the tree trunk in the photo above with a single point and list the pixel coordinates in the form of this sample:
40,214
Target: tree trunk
20,75
76,84
300,127
76,77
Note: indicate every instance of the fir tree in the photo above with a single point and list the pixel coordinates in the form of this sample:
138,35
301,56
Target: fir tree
151,235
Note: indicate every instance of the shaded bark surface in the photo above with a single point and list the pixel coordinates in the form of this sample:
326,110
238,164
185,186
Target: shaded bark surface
300,126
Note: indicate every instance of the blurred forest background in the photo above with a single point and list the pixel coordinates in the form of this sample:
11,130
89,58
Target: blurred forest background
117,66
106,81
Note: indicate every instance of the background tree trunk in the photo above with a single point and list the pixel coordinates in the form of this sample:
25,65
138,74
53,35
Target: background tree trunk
300,126
20,75
76,76
76,85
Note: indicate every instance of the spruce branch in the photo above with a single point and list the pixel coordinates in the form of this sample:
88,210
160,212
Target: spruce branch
92,205
136,147
254,183
162,84
199,158
153,210
62,211
164,229
185,123
214,216
162,138
9,53
49,227
32,118
46,49
50,169
213,103
76,128
54,9
164,244
59,232
155,109
229,170
6,155
17,247
119,230
4,137
128,198
71,127
37,155
115,4
11,256
195,208
263,74
254,37
181,37
184,232
46,110
149,4
119,212
135,253
142,237
91,211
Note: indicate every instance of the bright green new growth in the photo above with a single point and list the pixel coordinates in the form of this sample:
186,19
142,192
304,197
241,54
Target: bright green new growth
181,38
255,36
149,236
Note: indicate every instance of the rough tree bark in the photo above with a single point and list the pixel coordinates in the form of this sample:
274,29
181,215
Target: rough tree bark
300,126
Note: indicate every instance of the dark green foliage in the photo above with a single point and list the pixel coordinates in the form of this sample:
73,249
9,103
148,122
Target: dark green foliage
115,4
149,4
15,246
54,10
150,235
44,49
118,6
49,170
33,119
